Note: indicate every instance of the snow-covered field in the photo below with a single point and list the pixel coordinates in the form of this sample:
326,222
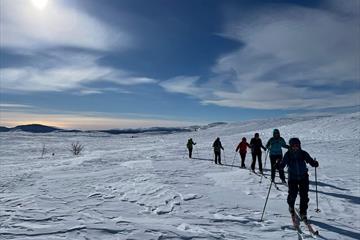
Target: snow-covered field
146,188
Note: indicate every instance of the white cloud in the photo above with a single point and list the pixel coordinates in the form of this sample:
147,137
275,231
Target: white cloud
22,26
292,58
90,91
182,84
26,30
65,71
14,105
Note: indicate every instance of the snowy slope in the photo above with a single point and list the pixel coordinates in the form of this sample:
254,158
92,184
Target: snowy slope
146,188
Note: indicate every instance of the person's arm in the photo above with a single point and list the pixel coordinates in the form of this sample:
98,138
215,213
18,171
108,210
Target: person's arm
308,159
282,163
262,145
237,148
249,146
251,143
221,146
268,144
283,144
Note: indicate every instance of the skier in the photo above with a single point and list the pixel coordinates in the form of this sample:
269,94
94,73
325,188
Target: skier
242,148
189,146
256,145
274,145
298,178
217,150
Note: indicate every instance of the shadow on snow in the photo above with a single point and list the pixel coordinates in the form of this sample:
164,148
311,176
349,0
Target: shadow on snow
341,231
353,199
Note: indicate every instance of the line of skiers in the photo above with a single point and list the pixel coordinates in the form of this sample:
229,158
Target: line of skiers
295,159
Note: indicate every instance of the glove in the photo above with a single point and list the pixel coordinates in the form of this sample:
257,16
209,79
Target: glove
316,164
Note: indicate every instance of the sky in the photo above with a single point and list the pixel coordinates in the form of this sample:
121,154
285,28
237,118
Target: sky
91,64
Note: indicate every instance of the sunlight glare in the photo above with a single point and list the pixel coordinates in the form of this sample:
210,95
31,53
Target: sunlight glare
39,4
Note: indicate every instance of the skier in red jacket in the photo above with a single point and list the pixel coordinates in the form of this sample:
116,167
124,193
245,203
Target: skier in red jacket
242,148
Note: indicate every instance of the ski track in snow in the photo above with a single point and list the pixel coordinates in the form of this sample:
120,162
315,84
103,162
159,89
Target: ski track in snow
146,188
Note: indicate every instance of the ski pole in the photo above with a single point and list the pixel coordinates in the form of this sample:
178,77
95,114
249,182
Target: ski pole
262,215
264,166
224,157
317,200
232,164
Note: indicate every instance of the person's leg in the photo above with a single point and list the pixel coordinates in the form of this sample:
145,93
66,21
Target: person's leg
190,152
253,161
218,160
292,194
243,156
260,162
215,155
304,198
273,162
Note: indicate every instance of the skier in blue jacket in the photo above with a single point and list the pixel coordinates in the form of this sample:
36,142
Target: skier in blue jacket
298,178
274,146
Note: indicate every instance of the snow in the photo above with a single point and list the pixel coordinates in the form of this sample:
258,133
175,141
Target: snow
146,188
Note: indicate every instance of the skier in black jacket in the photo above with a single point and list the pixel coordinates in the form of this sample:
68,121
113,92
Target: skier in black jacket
217,150
298,178
189,146
256,145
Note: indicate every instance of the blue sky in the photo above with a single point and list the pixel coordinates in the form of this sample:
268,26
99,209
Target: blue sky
118,64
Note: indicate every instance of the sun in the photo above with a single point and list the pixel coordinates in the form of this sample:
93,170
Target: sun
39,4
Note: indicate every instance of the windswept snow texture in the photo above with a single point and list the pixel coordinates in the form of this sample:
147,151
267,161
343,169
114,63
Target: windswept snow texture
144,187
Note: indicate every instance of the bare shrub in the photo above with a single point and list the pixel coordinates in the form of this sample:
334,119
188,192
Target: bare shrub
76,148
43,150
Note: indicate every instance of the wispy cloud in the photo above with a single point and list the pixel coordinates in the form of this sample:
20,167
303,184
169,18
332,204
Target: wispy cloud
53,39
62,71
182,84
90,91
22,26
14,105
65,78
292,58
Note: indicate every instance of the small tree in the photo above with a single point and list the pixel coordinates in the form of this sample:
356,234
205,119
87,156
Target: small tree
76,148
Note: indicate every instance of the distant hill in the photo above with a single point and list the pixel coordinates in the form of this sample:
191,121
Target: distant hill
4,129
38,128
35,128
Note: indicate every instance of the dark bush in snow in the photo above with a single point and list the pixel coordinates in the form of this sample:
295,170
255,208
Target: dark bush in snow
76,148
